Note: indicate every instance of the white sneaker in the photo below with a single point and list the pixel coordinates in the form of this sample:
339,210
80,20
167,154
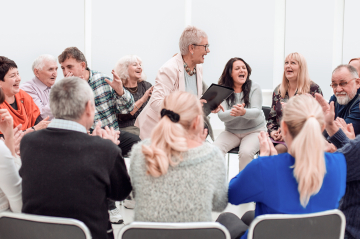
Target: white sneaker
115,216
129,203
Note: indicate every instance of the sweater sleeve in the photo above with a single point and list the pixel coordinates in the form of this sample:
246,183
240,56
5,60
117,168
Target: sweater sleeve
256,104
220,198
351,150
225,116
10,181
120,185
248,185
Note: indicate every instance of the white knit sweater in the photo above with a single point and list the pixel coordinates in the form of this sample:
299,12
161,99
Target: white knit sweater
187,193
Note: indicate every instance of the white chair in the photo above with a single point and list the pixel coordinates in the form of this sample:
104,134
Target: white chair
192,230
26,226
322,225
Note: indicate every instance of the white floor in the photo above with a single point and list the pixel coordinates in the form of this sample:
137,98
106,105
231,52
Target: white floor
128,214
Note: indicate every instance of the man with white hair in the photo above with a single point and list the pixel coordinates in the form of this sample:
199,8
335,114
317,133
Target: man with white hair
345,82
45,71
74,173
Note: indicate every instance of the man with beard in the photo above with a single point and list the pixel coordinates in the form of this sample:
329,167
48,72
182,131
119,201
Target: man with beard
346,83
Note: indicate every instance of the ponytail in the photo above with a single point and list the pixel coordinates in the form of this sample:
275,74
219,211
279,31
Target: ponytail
304,118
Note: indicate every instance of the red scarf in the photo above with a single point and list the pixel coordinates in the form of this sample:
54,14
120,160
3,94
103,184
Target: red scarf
27,112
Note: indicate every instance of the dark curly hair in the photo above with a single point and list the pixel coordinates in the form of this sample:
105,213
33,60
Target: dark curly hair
227,80
2,96
5,65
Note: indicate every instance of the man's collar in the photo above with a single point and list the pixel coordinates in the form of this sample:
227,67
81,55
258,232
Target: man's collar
40,84
68,125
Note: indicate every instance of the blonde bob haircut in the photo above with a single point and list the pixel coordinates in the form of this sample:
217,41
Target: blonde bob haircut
305,121
190,35
121,67
303,78
168,139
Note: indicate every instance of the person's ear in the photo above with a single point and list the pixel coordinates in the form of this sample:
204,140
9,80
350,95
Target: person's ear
36,72
195,123
88,107
357,81
284,128
191,49
83,65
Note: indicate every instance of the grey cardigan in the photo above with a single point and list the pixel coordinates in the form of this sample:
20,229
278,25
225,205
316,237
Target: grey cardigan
188,192
252,120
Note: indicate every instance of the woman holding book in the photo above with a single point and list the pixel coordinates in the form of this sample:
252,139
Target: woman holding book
243,115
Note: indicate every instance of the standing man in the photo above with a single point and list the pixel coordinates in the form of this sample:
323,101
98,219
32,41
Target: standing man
110,99
45,70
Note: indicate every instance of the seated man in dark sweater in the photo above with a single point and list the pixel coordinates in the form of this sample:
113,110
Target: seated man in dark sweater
350,203
346,83
68,173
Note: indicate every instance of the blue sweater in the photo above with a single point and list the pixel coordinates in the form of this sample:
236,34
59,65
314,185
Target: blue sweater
350,204
269,182
350,112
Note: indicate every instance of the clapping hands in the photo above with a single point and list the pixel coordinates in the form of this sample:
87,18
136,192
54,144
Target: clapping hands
116,84
107,133
266,146
347,128
238,110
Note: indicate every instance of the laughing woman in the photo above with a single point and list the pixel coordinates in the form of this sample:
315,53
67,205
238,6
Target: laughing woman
243,116
19,104
296,80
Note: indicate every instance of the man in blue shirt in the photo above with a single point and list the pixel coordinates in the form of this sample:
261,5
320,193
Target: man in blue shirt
345,82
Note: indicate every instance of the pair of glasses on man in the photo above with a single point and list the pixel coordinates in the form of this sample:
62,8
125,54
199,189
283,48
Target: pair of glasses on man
206,46
341,84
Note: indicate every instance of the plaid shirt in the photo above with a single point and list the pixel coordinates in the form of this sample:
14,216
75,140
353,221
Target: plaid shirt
67,124
107,102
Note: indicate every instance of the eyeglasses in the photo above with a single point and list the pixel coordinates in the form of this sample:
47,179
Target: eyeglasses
341,84
206,46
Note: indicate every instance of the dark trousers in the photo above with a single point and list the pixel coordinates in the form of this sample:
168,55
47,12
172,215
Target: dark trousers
236,226
127,140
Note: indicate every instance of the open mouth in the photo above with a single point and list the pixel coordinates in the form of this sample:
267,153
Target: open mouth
16,85
341,94
289,71
242,76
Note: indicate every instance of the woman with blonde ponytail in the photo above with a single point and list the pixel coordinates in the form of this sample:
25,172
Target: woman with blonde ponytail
176,176
305,180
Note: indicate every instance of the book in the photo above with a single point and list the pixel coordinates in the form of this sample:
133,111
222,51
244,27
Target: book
214,96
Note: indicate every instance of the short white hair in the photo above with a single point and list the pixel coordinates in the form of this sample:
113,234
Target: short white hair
39,62
191,35
121,67
68,98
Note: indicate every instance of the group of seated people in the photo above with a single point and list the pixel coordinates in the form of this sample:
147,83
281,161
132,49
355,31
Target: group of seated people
63,143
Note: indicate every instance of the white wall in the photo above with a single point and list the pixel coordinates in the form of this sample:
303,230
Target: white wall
351,30
32,28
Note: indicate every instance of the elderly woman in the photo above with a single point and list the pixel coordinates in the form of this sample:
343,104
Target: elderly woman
182,72
296,80
129,69
19,104
243,116
10,181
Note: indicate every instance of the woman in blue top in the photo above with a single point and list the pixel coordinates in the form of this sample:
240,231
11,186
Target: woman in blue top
305,180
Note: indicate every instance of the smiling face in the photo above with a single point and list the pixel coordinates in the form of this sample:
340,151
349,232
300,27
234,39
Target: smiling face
135,70
239,73
73,66
48,73
199,52
10,85
291,69
344,94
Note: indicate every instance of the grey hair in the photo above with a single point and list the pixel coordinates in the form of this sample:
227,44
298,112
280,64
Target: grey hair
350,68
190,35
121,67
39,62
68,98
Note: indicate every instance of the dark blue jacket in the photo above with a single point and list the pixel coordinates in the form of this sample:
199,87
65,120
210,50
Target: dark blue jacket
350,112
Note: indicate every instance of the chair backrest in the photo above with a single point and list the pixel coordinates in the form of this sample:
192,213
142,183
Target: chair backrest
266,110
323,225
192,230
26,226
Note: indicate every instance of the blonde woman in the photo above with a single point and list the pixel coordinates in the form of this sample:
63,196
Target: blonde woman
176,176
305,180
129,69
296,80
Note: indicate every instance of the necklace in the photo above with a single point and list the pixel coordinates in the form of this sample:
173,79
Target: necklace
132,90
187,69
